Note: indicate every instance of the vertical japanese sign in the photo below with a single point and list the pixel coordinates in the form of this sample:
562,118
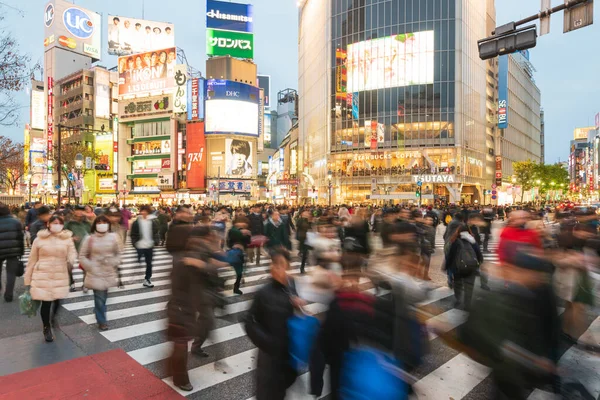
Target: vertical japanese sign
180,97
192,105
261,120
341,74
115,145
228,43
195,155
50,127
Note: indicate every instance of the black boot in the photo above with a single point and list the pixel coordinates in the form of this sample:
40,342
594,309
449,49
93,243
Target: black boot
236,288
48,334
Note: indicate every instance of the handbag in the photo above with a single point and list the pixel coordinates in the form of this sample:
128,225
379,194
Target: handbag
20,268
302,331
27,305
257,241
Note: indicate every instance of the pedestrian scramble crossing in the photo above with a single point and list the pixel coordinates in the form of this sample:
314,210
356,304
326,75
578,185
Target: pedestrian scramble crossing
137,320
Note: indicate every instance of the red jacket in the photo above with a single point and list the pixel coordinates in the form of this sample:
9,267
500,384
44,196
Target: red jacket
512,237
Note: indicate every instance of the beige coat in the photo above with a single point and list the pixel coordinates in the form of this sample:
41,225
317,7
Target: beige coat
52,255
99,256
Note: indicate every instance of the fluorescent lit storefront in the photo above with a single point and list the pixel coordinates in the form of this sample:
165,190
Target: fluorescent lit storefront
400,106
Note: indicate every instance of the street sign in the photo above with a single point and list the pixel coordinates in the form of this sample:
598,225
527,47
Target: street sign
88,163
494,197
494,186
57,187
579,16
419,183
71,176
494,192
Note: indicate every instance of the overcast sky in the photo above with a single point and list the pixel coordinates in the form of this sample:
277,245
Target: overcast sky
566,64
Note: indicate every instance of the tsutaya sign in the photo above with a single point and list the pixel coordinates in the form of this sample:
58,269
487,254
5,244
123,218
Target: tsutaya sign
434,178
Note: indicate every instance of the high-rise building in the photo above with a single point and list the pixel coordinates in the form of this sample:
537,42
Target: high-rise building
287,114
519,97
393,95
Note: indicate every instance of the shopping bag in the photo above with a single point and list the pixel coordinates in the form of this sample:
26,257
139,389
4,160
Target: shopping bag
302,330
372,374
27,305
257,241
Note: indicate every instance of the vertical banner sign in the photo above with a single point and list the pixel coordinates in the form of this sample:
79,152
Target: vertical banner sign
597,121
341,74
201,97
498,171
180,97
355,106
503,92
195,155
261,120
115,145
193,115
50,128
373,135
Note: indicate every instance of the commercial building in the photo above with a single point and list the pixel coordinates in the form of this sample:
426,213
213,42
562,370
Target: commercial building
35,144
583,163
520,123
393,94
287,114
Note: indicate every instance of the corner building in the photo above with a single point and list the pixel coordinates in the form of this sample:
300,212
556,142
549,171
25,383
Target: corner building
393,93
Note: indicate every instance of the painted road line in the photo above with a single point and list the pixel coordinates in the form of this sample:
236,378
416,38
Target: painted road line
150,294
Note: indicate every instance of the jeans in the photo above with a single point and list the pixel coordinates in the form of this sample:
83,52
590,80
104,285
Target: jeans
147,254
100,305
11,275
45,311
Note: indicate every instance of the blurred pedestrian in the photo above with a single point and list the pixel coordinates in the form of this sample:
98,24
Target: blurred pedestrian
80,227
463,259
144,236
276,233
12,247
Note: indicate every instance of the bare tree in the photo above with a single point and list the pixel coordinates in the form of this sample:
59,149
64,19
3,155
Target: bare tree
12,164
67,157
8,149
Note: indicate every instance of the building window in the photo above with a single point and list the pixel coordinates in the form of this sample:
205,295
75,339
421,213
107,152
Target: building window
89,80
156,128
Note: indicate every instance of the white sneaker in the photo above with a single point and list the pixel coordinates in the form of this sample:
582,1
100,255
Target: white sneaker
147,283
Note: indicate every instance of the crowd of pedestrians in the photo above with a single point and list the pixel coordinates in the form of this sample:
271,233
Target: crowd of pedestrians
547,258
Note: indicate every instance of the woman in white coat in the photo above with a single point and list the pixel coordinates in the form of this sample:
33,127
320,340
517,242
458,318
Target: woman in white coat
99,256
47,275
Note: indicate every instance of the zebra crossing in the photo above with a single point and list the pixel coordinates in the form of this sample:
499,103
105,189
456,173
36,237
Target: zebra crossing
138,321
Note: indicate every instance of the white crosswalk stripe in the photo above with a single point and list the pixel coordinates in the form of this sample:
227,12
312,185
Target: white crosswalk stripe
138,320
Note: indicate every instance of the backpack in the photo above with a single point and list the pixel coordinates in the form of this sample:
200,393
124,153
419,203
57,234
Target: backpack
466,259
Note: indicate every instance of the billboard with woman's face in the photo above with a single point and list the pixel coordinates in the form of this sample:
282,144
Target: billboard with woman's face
147,72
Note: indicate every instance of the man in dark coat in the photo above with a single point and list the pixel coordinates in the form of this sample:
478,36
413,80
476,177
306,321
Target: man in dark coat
12,247
302,227
276,233
266,326
179,232
43,215
257,228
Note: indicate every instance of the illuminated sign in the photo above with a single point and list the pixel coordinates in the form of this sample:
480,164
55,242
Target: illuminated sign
37,109
228,43
238,157
229,16
433,178
131,36
50,113
398,60
503,92
195,155
151,107
231,107
147,72
180,96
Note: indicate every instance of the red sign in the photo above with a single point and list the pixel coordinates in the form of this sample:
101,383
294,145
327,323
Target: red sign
498,175
195,155
165,163
195,99
50,129
373,135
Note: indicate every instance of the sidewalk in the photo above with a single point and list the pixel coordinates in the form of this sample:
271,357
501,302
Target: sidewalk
109,375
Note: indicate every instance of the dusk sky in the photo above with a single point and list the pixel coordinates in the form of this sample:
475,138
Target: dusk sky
566,64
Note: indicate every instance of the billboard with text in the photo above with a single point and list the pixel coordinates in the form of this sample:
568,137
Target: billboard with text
195,155
229,16
148,72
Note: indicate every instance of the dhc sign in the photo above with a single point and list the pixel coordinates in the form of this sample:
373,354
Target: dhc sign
78,23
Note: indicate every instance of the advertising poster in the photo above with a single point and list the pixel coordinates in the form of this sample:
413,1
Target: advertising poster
229,43
341,74
231,107
380,133
261,120
368,133
195,155
128,36
72,28
503,92
355,105
229,16
180,95
393,61
147,72
37,109
373,135
238,157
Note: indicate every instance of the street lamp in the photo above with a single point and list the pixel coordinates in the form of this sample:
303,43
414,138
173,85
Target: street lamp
329,186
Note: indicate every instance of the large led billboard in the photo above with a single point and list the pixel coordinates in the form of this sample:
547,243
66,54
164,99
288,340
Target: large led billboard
37,109
398,60
72,28
147,72
229,16
229,43
231,107
128,36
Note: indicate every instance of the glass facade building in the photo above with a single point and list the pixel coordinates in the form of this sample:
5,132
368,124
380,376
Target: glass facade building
393,93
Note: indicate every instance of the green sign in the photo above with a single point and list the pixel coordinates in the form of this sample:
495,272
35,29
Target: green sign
229,43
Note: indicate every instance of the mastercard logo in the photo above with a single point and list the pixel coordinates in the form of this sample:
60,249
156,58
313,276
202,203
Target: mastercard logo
67,42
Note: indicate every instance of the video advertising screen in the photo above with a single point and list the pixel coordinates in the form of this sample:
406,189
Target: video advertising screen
393,61
231,116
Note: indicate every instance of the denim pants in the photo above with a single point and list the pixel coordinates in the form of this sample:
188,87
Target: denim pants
100,305
147,254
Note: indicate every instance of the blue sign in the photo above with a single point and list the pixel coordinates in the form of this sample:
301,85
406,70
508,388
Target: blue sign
355,105
57,187
71,176
78,22
419,183
503,92
231,90
229,16
49,15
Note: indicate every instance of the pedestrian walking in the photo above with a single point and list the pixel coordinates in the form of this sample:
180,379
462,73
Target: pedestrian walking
12,247
303,226
100,258
80,227
276,233
144,236
47,274
43,215
463,258
257,229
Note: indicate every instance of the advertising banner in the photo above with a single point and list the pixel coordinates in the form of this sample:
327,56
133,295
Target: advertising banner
72,28
229,16
503,92
195,155
341,74
393,61
367,133
231,107
37,109
582,133
373,135
102,98
180,96
355,105
50,114
597,121
147,72
195,99
238,157
230,186
228,43
128,36
264,82
37,159
261,120
149,107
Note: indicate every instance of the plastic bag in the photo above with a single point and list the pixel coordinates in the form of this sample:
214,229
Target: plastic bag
27,305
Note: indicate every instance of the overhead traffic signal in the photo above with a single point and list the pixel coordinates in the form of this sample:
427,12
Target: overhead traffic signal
507,40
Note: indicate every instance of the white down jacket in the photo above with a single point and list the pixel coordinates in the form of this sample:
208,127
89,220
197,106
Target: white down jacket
100,257
52,255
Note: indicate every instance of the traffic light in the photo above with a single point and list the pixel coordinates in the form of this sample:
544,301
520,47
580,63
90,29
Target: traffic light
507,40
418,194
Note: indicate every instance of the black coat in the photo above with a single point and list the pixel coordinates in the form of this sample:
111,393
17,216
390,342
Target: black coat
34,228
257,226
136,235
11,237
266,326
360,232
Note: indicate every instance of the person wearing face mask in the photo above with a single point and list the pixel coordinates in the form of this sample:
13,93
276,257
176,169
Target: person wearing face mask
47,274
80,227
100,258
